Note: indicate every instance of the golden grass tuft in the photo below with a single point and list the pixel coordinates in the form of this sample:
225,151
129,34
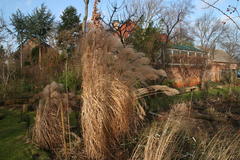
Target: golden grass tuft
52,127
163,141
174,139
110,108
108,104
223,146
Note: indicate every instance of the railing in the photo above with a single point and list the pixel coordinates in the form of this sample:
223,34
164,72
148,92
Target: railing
184,57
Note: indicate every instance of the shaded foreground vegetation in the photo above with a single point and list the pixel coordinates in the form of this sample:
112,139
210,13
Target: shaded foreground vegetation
112,120
216,117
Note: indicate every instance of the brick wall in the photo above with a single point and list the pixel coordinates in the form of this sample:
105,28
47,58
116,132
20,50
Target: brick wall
187,76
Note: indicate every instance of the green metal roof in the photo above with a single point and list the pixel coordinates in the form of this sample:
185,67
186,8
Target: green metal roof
188,48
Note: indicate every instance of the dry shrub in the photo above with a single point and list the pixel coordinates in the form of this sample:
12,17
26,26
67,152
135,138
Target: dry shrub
164,140
52,127
110,107
223,146
175,139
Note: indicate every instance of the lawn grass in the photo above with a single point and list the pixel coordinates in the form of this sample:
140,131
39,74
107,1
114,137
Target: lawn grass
13,137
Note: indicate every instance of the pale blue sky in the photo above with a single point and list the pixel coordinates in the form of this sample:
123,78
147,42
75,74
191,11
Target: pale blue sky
7,7
57,6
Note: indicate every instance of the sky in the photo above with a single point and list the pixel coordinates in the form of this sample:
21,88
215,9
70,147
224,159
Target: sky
7,7
56,6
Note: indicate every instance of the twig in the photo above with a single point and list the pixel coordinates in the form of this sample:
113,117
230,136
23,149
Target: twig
221,12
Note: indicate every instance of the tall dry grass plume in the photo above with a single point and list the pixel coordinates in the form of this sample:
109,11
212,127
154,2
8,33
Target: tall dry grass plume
174,139
110,107
165,139
223,146
52,127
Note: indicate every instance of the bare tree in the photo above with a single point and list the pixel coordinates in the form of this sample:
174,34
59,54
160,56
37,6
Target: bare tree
231,42
170,18
231,45
148,9
84,24
182,36
231,12
122,20
208,31
2,29
7,68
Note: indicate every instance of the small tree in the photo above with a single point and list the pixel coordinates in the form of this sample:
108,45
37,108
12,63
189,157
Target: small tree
40,24
146,40
68,29
69,19
19,22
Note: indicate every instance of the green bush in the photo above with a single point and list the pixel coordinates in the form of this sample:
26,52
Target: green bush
211,84
169,83
70,81
27,63
34,53
24,86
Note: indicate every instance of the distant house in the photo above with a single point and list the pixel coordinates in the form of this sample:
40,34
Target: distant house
185,63
30,50
185,66
221,64
124,30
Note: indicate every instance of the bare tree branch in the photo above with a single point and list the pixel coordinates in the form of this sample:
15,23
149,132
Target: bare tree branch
122,24
229,17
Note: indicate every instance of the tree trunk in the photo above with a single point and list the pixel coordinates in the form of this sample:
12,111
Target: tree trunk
21,53
231,81
164,53
84,25
164,57
203,77
40,57
21,57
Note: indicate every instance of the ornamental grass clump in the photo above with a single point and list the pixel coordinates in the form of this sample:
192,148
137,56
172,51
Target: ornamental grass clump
110,108
163,141
51,130
223,146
